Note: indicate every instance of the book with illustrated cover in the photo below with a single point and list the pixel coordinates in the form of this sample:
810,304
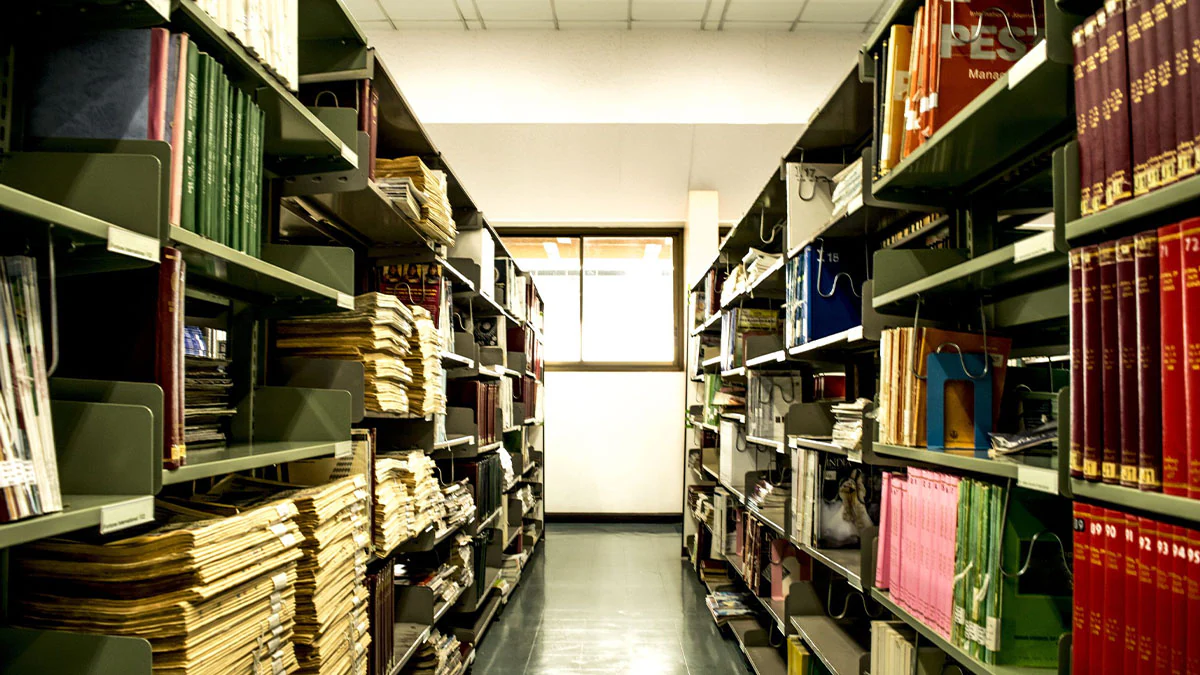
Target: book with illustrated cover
849,500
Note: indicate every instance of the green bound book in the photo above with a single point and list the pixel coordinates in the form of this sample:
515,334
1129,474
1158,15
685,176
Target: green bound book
237,161
250,177
256,183
961,560
191,118
206,181
224,118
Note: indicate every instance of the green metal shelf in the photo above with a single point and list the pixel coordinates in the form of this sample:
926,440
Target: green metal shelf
850,341
367,215
769,284
708,324
239,457
969,662
330,41
795,442
772,518
830,644
79,512
211,260
1152,502
411,634
846,562
20,203
1000,467
296,141
838,126
1157,208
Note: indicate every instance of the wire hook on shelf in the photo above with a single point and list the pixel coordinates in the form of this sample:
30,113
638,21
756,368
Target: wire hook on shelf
974,35
836,278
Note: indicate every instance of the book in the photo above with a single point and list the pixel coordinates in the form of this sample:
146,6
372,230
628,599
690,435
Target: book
899,48
1165,96
1110,364
1082,651
1117,139
1128,363
1190,290
1075,320
169,371
1093,382
1133,596
1139,109
1145,261
1181,98
1147,563
187,216
1147,23
109,85
1174,404
1087,142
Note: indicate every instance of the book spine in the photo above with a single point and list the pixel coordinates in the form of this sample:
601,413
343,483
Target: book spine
1081,122
1081,652
1128,362
1093,371
373,132
1164,71
1164,618
1181,86
1179,623
157,126
169,350
1192,13
1119,185
1132,594
1145,263
1110,364
1190,279
178,115
207,195
187,213
1146,619
1151,34
1078,405
1192,665
1094,85
1114,590
1174,406
1097,559
1138,111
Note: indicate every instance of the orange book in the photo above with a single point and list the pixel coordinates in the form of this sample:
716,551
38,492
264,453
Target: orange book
967,67
935,21
916,71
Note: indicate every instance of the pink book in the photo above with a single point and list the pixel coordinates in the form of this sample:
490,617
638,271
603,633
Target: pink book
950,524
177,118
926,547
899,492
909,551
883,544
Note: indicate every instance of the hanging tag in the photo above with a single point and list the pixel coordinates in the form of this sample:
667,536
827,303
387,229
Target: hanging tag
133,244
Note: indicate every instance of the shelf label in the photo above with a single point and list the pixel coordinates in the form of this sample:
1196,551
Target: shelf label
855,454
345,300
1037,478
1028,63
855,204
121,516
132,244
163,7
1032,247
343,449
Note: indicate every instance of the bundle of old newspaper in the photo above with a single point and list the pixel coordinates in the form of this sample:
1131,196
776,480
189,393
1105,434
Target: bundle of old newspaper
213,595
376,334
408,497
425,395
436,219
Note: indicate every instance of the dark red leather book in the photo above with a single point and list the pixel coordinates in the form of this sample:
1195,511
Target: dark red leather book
1096,572
1164,617
1181,88
1110,365
1132,593
1081,653
1127,371
1086,145
1138,111
1164,27
1192,11
1117,157
1147,577
1145,265
1093,370
1093,84
1192,665
1174,404
169,362
1075,261
1179,625
1190,232
1114,590
1149,92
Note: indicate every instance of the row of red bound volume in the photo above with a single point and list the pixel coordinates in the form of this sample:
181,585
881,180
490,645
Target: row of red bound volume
1135,361
1136,607
1137,120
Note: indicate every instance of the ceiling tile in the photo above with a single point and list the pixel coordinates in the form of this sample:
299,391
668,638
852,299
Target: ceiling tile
382,24
672,10
666,25
848,11
429,25
761,10
365,10
592,10
753,25
517,25
829,27
421,10
593,25
514,10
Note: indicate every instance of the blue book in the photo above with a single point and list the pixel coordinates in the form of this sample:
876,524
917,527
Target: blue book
828,299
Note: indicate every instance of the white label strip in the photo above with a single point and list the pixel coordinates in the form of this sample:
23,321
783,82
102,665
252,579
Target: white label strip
132,244
1037,478
120,516
282,508
343,449
1028,63
855,204
280,580
278,529
345,300
1032,247
163,7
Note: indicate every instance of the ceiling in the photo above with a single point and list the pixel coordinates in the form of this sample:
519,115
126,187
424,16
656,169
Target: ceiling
709,15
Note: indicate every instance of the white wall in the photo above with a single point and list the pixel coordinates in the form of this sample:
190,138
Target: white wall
614,442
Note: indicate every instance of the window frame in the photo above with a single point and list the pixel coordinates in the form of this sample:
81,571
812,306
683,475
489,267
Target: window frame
582,233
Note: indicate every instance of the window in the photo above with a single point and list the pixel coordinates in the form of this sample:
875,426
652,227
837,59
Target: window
612,300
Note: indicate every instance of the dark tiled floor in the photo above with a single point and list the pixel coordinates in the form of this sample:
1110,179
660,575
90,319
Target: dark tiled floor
608,599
